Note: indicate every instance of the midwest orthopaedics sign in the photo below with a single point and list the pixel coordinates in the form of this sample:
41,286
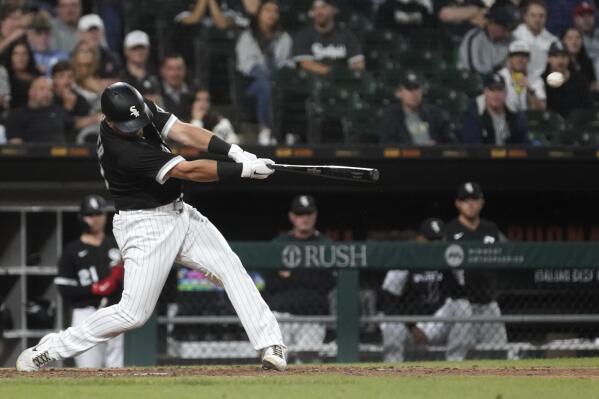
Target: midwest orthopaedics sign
325,256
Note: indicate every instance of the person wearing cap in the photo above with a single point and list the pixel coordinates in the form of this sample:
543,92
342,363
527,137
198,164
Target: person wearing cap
484,49
579,57
64,25
586,22
40,121
85,122
90,276
137,72
303,292
478,286
407,17
532,31
39,35
574,93
419,292
522,90
488,120
91,30
319,47
412,121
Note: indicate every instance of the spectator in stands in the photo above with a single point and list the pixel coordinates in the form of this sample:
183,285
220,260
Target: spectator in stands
85,61
585,21
533,32
64,26
13,24
91,30
579,59
151,90
65,95
484,49
522,90
203,116
575,92
261,49
479,288
301,291
406,17
459,16
176,94
224,13
40,121
38,35
324,44
489,121
4,92
419,292
410,120
21,68
137,72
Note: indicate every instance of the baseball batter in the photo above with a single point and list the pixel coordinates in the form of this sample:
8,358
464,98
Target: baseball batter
153,227
90,276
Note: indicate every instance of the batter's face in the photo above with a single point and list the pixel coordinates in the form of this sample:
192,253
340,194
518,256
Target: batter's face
96,223
303,222
470,208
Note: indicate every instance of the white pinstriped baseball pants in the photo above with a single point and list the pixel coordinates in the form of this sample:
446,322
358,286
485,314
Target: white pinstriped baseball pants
150,241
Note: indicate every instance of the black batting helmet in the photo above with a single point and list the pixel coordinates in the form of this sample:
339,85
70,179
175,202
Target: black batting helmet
124,106
92,205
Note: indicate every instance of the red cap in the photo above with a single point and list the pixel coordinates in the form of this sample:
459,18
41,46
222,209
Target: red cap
583,8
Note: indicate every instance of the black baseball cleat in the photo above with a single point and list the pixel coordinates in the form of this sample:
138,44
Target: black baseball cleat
274,358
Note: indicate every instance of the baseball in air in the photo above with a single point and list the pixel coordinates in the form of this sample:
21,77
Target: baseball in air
555,79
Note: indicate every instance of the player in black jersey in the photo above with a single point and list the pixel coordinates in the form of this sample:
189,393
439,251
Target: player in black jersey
90,275
415,292
479,285
154,227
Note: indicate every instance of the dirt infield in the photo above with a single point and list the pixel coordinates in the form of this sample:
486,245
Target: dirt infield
362,371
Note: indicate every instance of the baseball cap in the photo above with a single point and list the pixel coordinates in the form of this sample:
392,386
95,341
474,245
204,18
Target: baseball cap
432,229
92,205
505,15
494,81
582,8
136,38
90,21
411,81
470,190
519,47
303,204
557,48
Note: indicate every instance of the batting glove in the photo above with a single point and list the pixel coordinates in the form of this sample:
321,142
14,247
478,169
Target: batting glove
239,155
257,169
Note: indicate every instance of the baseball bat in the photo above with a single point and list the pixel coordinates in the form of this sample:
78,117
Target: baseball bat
368,175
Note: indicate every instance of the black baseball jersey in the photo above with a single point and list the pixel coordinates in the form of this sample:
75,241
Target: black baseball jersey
334,47
135,168
479,286
81,265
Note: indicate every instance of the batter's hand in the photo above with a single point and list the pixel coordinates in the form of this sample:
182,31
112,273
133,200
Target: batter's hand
105,287
257,169
239,155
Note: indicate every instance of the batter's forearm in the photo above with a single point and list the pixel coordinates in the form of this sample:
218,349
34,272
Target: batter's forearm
190,135
201,170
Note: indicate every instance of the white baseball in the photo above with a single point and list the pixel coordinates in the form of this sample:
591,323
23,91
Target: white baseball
555,79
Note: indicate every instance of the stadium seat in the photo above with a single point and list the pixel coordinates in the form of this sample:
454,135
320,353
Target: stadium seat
426,62
545,127
378,47
452,101
217,51
361,123
461,80
359,24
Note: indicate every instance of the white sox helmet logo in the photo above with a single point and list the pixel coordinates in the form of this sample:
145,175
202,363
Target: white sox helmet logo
134,111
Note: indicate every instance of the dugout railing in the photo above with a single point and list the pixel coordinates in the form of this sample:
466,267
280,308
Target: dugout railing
560,318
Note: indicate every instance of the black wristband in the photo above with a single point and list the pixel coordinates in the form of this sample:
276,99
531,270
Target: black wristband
228,170
216,145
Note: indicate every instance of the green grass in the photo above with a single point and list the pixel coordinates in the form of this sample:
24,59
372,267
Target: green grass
319,385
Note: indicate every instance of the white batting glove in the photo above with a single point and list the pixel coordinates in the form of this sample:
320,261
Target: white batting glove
239,155
257,169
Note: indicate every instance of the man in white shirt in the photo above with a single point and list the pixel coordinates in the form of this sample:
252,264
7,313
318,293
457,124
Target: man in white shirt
522,92
533,32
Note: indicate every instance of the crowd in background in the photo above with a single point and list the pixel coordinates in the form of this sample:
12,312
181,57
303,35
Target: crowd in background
55,63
